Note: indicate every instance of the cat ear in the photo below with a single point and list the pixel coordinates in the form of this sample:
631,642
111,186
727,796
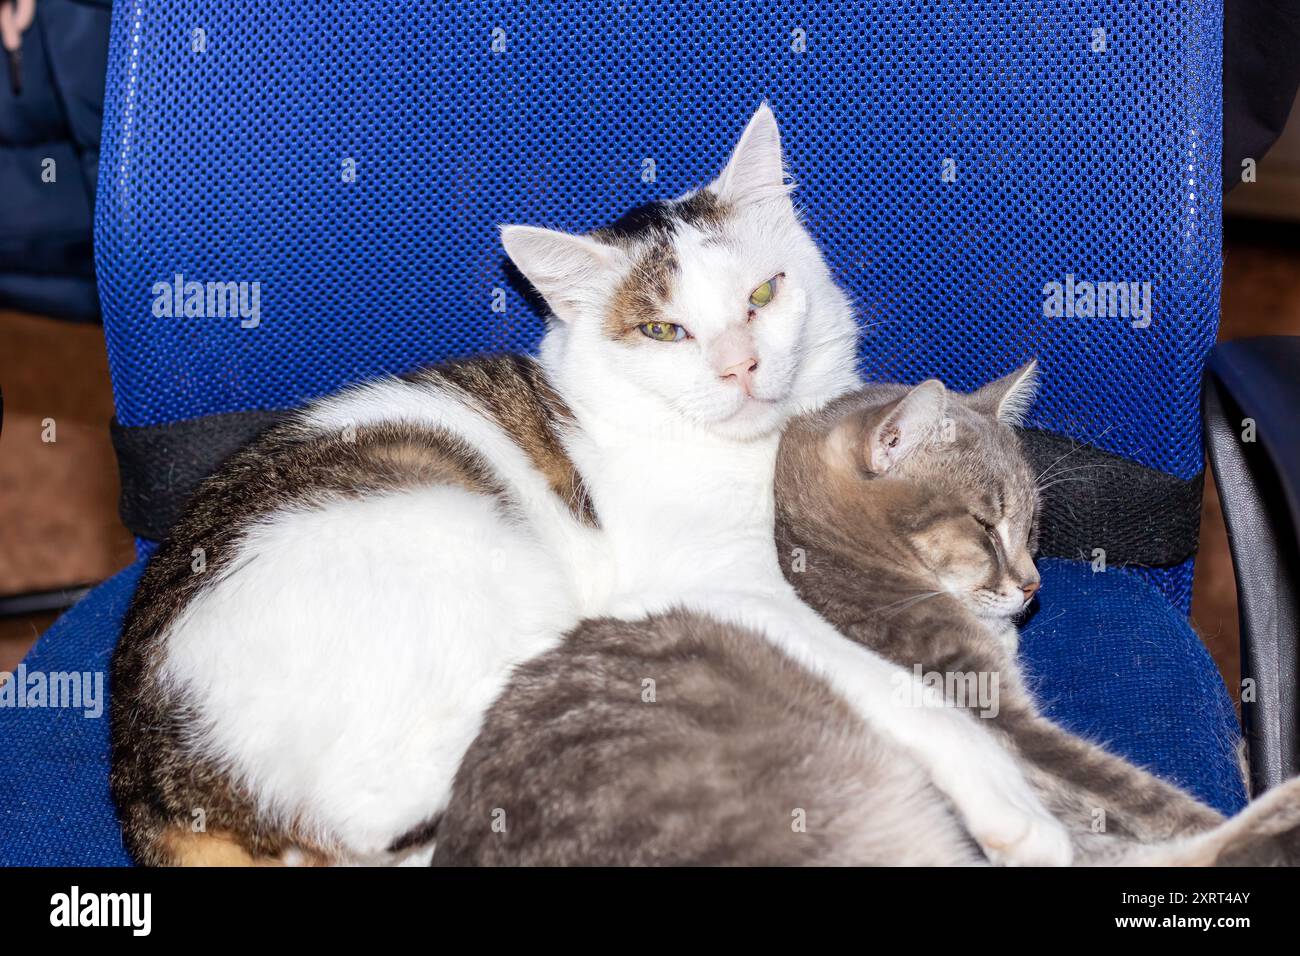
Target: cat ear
906,426
756,169
1010,397
571,272
875,440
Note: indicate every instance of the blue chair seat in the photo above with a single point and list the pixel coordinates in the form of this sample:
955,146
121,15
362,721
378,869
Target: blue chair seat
1109,657
1112,660
55,809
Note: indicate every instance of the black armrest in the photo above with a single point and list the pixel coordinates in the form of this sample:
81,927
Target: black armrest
1251,405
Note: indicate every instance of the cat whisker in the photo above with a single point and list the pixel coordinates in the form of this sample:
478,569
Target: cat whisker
875,325
1092,466
1087,443
829,340
1059,481
898,607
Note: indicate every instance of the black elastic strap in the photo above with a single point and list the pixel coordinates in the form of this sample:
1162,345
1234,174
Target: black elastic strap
161,465
1098,500
1137,515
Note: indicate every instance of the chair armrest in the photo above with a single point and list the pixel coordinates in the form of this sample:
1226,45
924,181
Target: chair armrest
1251,407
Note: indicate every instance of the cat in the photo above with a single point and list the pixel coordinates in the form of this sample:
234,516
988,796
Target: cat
945,530
679,739
927,495
276,690
311,652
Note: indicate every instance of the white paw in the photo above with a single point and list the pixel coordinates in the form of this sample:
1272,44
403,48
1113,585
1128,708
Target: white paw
1005,816
1011,836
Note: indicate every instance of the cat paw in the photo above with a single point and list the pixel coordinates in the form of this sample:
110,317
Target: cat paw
1022,836
1005,817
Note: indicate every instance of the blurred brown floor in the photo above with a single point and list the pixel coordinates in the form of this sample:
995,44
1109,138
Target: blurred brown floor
58,500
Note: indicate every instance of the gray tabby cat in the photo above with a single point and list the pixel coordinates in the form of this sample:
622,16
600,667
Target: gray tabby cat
932,501
681,740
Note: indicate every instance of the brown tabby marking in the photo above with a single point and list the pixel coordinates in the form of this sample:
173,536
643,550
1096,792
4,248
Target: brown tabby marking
640,295
185,848
156,781
515,392
646,234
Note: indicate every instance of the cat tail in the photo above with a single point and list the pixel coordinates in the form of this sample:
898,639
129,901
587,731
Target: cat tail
417,845
1266,833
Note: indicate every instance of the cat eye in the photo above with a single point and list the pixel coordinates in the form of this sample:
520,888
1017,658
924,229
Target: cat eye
662,331
766,292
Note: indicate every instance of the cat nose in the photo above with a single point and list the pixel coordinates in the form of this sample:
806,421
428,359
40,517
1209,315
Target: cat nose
743,372
733,355
1029,589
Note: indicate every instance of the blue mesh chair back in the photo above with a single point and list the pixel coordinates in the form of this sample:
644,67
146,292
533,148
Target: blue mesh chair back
355,160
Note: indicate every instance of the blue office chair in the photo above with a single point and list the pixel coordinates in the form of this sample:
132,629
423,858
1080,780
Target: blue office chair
970,170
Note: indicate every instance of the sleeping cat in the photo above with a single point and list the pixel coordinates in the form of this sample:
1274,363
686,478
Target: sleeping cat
681,740
945,528
312,650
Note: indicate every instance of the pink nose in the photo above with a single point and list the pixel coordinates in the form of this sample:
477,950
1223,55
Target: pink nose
743,372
